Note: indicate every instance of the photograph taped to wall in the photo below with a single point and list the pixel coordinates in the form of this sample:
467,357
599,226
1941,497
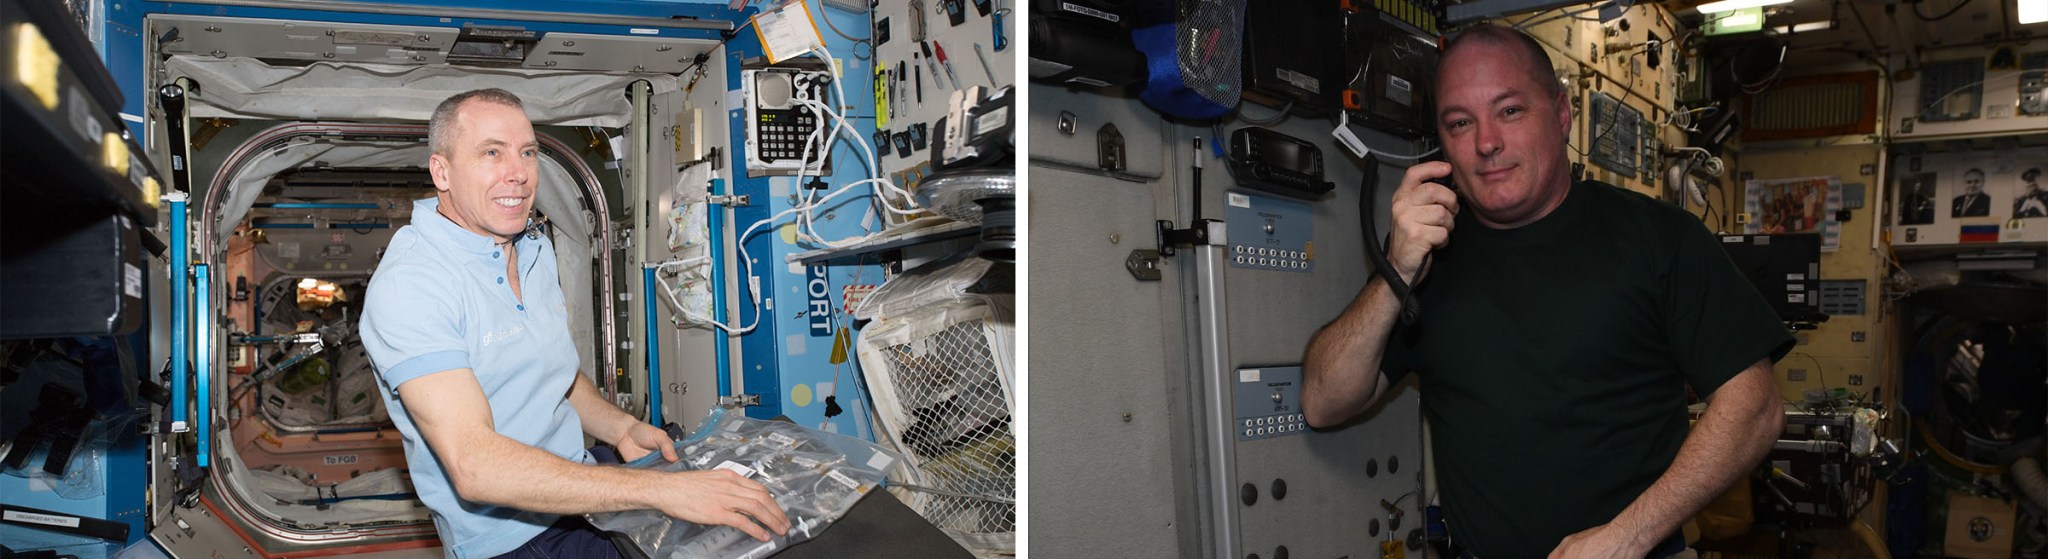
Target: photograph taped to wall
1916,198
1787,206
2010,189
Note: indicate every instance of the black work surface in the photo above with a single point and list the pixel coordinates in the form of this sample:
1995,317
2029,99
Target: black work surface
879,526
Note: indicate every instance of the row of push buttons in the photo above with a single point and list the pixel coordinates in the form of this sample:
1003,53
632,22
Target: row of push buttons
1263,251
1274,420
1273,425
1267,257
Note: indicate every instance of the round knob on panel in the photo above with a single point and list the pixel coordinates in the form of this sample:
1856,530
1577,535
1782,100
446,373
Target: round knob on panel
1280,552
1249,494
1372,467
1279,489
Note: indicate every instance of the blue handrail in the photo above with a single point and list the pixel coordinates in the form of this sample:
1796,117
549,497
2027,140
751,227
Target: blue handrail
180,323
721,346
203,353
653,342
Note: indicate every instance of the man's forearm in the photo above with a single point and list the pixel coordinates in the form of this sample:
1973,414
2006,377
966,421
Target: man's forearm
601,419
1741,421
1341,368
523,477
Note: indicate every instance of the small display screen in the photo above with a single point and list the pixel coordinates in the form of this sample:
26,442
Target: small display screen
1291,156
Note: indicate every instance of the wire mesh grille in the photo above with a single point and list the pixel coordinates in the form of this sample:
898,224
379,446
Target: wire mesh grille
957,430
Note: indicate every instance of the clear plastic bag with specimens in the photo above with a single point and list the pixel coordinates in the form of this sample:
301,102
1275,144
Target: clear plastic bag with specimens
815,477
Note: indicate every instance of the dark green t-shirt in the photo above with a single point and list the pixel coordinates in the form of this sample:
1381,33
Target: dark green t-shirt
1554,359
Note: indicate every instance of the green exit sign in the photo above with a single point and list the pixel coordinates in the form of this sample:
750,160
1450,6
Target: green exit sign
1735,21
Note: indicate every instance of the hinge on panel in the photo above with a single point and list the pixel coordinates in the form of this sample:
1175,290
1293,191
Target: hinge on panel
731,200
740,401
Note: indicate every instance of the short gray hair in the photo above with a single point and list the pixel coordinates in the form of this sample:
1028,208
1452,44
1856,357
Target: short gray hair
439,127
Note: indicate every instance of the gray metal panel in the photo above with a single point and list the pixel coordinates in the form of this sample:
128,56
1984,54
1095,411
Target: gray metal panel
689,367
1140,127
1105,348
1330,499
583,51
302,40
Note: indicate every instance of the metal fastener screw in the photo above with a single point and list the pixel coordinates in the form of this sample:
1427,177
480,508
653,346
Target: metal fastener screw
1115,238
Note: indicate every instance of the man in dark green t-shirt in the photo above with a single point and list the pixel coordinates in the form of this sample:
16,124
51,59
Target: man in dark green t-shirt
1560,325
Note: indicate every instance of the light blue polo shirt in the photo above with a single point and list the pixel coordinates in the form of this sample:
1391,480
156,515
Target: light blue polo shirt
439,301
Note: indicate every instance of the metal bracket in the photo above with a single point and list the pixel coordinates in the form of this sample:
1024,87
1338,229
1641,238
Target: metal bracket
1205,232
1143,264
731,200
1109,149
740,401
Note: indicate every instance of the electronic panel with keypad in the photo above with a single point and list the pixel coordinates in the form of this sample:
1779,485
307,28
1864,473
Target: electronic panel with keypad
1269,403
1269,232
779,124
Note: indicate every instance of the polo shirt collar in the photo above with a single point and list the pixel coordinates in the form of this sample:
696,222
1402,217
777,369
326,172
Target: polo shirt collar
426,215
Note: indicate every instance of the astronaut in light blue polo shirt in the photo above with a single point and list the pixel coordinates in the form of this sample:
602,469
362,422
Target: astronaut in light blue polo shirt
466,324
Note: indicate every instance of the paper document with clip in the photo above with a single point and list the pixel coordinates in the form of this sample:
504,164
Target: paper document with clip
788,32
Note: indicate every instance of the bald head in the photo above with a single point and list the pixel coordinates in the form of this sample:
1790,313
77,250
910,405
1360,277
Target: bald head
1536,60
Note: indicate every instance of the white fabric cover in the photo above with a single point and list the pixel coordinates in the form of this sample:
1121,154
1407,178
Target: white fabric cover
249,88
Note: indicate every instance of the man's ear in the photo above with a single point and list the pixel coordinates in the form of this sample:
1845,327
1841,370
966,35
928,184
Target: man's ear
437,167
1564,110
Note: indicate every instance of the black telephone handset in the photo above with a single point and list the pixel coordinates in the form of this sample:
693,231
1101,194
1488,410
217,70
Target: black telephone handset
1375,249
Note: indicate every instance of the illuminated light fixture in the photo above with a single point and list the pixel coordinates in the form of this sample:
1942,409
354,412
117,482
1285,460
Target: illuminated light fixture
35,65
1809,26
2033,11
1727,5
308,283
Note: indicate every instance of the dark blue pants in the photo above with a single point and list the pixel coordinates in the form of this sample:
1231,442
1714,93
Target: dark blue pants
570,538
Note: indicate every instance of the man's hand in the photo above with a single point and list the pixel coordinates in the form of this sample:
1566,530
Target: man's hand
641,439
1606,541
1423,214
722,497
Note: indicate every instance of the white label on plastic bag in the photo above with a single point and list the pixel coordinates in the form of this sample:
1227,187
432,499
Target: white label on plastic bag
759,552
781,439
880,462
736,468
44,519
805,462
841,478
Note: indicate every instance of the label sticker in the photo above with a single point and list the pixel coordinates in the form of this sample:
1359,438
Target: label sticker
132,280
339,459
782,439
736,468
991,121
1400,91
880,462
841,478
1248,375
1106,16
1239,200
1300,80
44,519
